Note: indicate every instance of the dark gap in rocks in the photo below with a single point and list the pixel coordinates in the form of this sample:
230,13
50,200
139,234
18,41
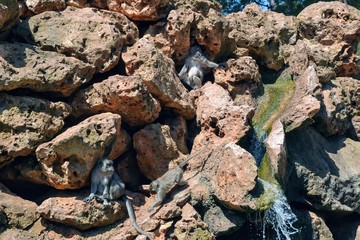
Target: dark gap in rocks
143,26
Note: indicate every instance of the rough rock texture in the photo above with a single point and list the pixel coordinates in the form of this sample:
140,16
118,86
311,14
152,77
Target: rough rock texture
144,10
325,172
264,33
27,122
76,3
304,105
18,234
20,213
9,12
126,96
73,211
276,151
159,75
220,119
26,66
39,6
68,159
156,146
240,77
91,35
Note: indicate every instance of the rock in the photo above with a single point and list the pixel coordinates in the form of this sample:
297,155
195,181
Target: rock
71,210
304,104
27,122
77,32
220,119
321,231
159,75
68,159
126,96
178,131
26,66
155,148
276,152
222,222
267,41
20,213
39,6
240,77
325,172
190,226
329,23
76,3
140,10
235,177
17,234
9,16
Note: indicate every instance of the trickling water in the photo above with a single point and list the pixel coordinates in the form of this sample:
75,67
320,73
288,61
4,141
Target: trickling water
279,216
257,146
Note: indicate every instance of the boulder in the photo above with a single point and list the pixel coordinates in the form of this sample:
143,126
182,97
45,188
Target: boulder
264,33
70,209
140,10
126,96
304,104
159,75
91,35
9,16
68,159
20,213
25,66
26,123
39,6
325,172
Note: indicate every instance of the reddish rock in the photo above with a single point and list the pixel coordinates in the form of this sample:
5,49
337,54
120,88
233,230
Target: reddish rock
321,231
91,35
304,105
26,66
159,75
140,10
39,6
235,177
71,210
68,159
27,122
20,213
126,96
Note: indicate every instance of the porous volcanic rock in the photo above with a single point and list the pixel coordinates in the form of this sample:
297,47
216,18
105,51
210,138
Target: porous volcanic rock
26,122
71,210
39,6
91,35
26,66
140,10
159,75
325,172
68,159
20,213
264,33
126,96
304,104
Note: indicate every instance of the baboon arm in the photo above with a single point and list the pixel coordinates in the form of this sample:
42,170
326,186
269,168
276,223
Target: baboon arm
160,195
211,64
183,71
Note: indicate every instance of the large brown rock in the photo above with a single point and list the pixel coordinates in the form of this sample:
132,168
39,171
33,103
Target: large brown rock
304,104
20,213
9,15
159,75
27,122
91,35
126,96
240,77
221,120
26,66
71,210
39,6
156,146
324,172
140,10
235,177
68,159
264,33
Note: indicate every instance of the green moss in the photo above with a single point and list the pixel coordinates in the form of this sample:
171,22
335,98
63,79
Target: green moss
200,234
265,171
272,104
358,49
